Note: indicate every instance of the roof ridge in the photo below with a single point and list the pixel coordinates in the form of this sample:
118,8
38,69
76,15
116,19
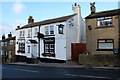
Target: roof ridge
48,21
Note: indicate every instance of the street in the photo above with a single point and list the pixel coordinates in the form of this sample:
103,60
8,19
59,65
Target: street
37,72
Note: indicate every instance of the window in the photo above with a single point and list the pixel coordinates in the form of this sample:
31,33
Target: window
29,33
20,33
35,31
104,21
23,33
11,42
105,44
46,30
51,30
49,48
21,47
6,43
28,49
49,45
2,43
46,48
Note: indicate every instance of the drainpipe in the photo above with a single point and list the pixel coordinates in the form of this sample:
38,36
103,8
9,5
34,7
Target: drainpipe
39,44
119,32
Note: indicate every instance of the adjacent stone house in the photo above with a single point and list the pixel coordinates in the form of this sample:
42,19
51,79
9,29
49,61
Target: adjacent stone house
8,48
103,32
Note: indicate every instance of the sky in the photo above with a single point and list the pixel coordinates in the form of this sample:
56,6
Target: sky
16,12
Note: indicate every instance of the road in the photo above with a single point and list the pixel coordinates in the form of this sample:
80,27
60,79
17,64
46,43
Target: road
36,72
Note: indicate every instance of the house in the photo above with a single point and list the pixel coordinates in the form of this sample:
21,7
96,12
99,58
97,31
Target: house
8,48
50,39
103,31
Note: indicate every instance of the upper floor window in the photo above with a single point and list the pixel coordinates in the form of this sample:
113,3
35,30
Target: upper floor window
2,43
11,42
29,33
46,30
51,30
20,33
6,43
104,21
35,31
23,33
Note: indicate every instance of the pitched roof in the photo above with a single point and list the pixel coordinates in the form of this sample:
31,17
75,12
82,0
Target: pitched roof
49,21
10,38
104,14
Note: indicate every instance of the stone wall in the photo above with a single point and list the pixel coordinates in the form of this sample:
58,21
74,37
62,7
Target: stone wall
100,60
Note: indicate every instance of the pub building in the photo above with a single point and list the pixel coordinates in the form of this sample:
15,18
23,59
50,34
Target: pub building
50,39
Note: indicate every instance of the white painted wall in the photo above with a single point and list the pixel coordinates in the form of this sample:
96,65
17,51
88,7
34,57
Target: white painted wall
72,34
60,42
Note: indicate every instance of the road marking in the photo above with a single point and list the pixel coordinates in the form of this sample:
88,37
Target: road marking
26,70
88,76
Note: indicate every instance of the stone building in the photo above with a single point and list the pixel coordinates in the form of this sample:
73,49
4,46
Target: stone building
103,32
8,48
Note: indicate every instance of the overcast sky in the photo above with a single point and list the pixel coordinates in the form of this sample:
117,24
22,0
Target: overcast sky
16,13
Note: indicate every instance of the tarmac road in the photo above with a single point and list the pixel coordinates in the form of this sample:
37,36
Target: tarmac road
25,72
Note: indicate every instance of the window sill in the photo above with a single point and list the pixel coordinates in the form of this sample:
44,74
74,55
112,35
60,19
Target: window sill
48,54
104,27
104,49
35,36
21,37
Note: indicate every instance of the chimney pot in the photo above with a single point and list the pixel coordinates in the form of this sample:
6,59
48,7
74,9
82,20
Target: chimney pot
75,4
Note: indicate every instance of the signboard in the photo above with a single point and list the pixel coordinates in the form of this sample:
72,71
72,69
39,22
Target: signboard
116,51
49,40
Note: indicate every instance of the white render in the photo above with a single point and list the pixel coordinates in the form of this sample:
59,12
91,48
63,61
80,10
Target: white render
74,33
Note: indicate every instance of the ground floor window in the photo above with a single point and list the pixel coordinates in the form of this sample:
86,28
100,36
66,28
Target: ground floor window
49,47
105,44
21,47
28,49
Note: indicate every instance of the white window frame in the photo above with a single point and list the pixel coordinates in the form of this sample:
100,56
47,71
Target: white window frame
35,31
51,30
105,21
105,44
29,32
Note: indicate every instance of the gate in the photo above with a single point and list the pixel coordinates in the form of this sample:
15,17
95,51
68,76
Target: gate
76,49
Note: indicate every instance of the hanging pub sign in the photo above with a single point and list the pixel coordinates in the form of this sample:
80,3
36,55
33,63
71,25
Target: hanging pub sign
49,40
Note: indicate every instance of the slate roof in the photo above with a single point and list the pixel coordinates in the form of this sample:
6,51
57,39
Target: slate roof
49,21
104,14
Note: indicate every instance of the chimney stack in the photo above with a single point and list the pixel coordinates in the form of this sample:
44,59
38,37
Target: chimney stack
18,27
3,36
30,20
9,35
93,8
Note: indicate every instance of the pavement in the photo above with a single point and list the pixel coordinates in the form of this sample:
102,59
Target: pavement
64,65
